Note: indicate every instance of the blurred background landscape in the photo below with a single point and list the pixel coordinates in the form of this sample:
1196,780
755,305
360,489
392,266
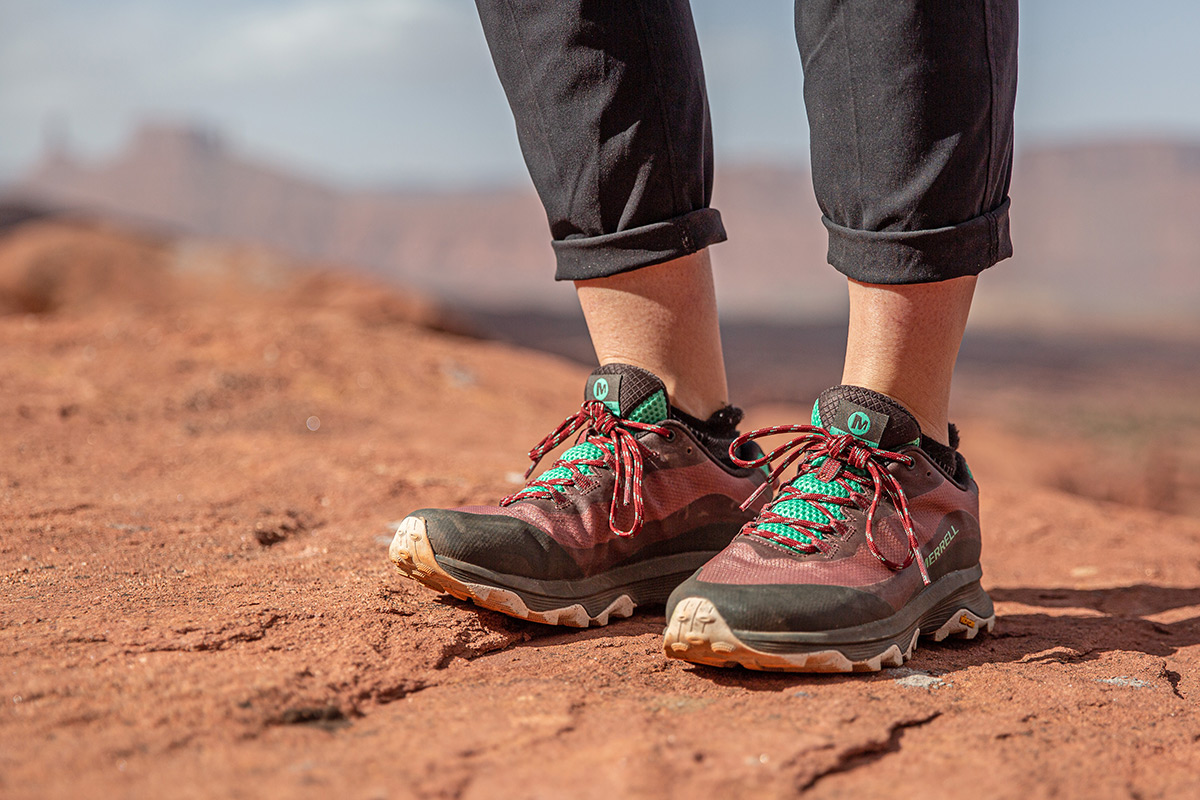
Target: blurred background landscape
373,133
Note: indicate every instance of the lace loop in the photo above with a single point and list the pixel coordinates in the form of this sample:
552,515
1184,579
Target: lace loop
835,452
597,425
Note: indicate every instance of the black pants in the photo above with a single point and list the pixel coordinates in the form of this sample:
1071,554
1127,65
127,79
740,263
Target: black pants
910,105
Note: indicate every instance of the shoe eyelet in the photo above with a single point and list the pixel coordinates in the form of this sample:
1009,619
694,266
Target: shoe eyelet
669,435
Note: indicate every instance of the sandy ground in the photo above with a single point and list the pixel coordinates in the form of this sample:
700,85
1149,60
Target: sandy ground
197,477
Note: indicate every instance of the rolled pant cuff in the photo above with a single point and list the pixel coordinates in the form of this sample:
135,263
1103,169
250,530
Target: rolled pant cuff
609,254
926,256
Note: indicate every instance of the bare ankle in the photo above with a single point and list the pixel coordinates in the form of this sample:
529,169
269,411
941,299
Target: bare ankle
662,318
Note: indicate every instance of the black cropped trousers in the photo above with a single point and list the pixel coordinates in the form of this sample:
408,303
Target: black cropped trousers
910,105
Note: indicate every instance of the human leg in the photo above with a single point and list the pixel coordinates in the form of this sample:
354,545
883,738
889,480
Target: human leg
612,118
903,341
875,540
613,123
662,319
912,153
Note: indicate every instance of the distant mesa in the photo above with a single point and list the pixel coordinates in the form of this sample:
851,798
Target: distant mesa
1104,231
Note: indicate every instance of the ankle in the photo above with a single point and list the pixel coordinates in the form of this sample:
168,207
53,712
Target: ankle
662,318
721,424
903,341
699,403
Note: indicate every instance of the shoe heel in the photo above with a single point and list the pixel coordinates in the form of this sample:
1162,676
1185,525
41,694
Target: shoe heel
973,612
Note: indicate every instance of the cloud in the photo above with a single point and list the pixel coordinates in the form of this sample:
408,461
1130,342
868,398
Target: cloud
355,88
320,35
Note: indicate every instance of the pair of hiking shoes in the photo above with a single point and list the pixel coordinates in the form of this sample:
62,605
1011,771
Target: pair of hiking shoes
870,543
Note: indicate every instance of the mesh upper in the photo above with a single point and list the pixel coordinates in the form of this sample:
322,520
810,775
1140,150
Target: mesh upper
901,429
653,410
584,451
640,390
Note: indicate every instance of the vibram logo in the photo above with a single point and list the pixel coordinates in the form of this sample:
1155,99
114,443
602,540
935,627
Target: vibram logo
965,620
942,545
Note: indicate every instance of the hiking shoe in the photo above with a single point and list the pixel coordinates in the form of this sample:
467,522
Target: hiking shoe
640,502
870,545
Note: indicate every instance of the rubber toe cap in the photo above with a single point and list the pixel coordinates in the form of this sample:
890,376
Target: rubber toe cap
785,608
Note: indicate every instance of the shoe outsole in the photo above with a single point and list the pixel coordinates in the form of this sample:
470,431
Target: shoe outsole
696,632
413,556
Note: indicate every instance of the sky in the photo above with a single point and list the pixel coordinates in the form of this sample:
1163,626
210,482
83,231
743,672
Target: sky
395,93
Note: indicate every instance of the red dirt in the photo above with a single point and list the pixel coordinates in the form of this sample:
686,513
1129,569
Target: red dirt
197,599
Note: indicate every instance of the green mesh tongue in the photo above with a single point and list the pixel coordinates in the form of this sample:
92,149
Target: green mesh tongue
869,416
614,385
584,451
807,483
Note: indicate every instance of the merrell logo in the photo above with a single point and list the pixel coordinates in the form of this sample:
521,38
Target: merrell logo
859,423
600,389
942,545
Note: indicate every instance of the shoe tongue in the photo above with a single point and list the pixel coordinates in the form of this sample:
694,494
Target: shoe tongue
629,392
873,417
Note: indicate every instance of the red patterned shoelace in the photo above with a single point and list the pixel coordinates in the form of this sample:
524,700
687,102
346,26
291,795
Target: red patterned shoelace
599,426
826,454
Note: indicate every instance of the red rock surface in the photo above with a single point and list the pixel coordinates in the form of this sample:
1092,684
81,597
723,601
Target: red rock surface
197,600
